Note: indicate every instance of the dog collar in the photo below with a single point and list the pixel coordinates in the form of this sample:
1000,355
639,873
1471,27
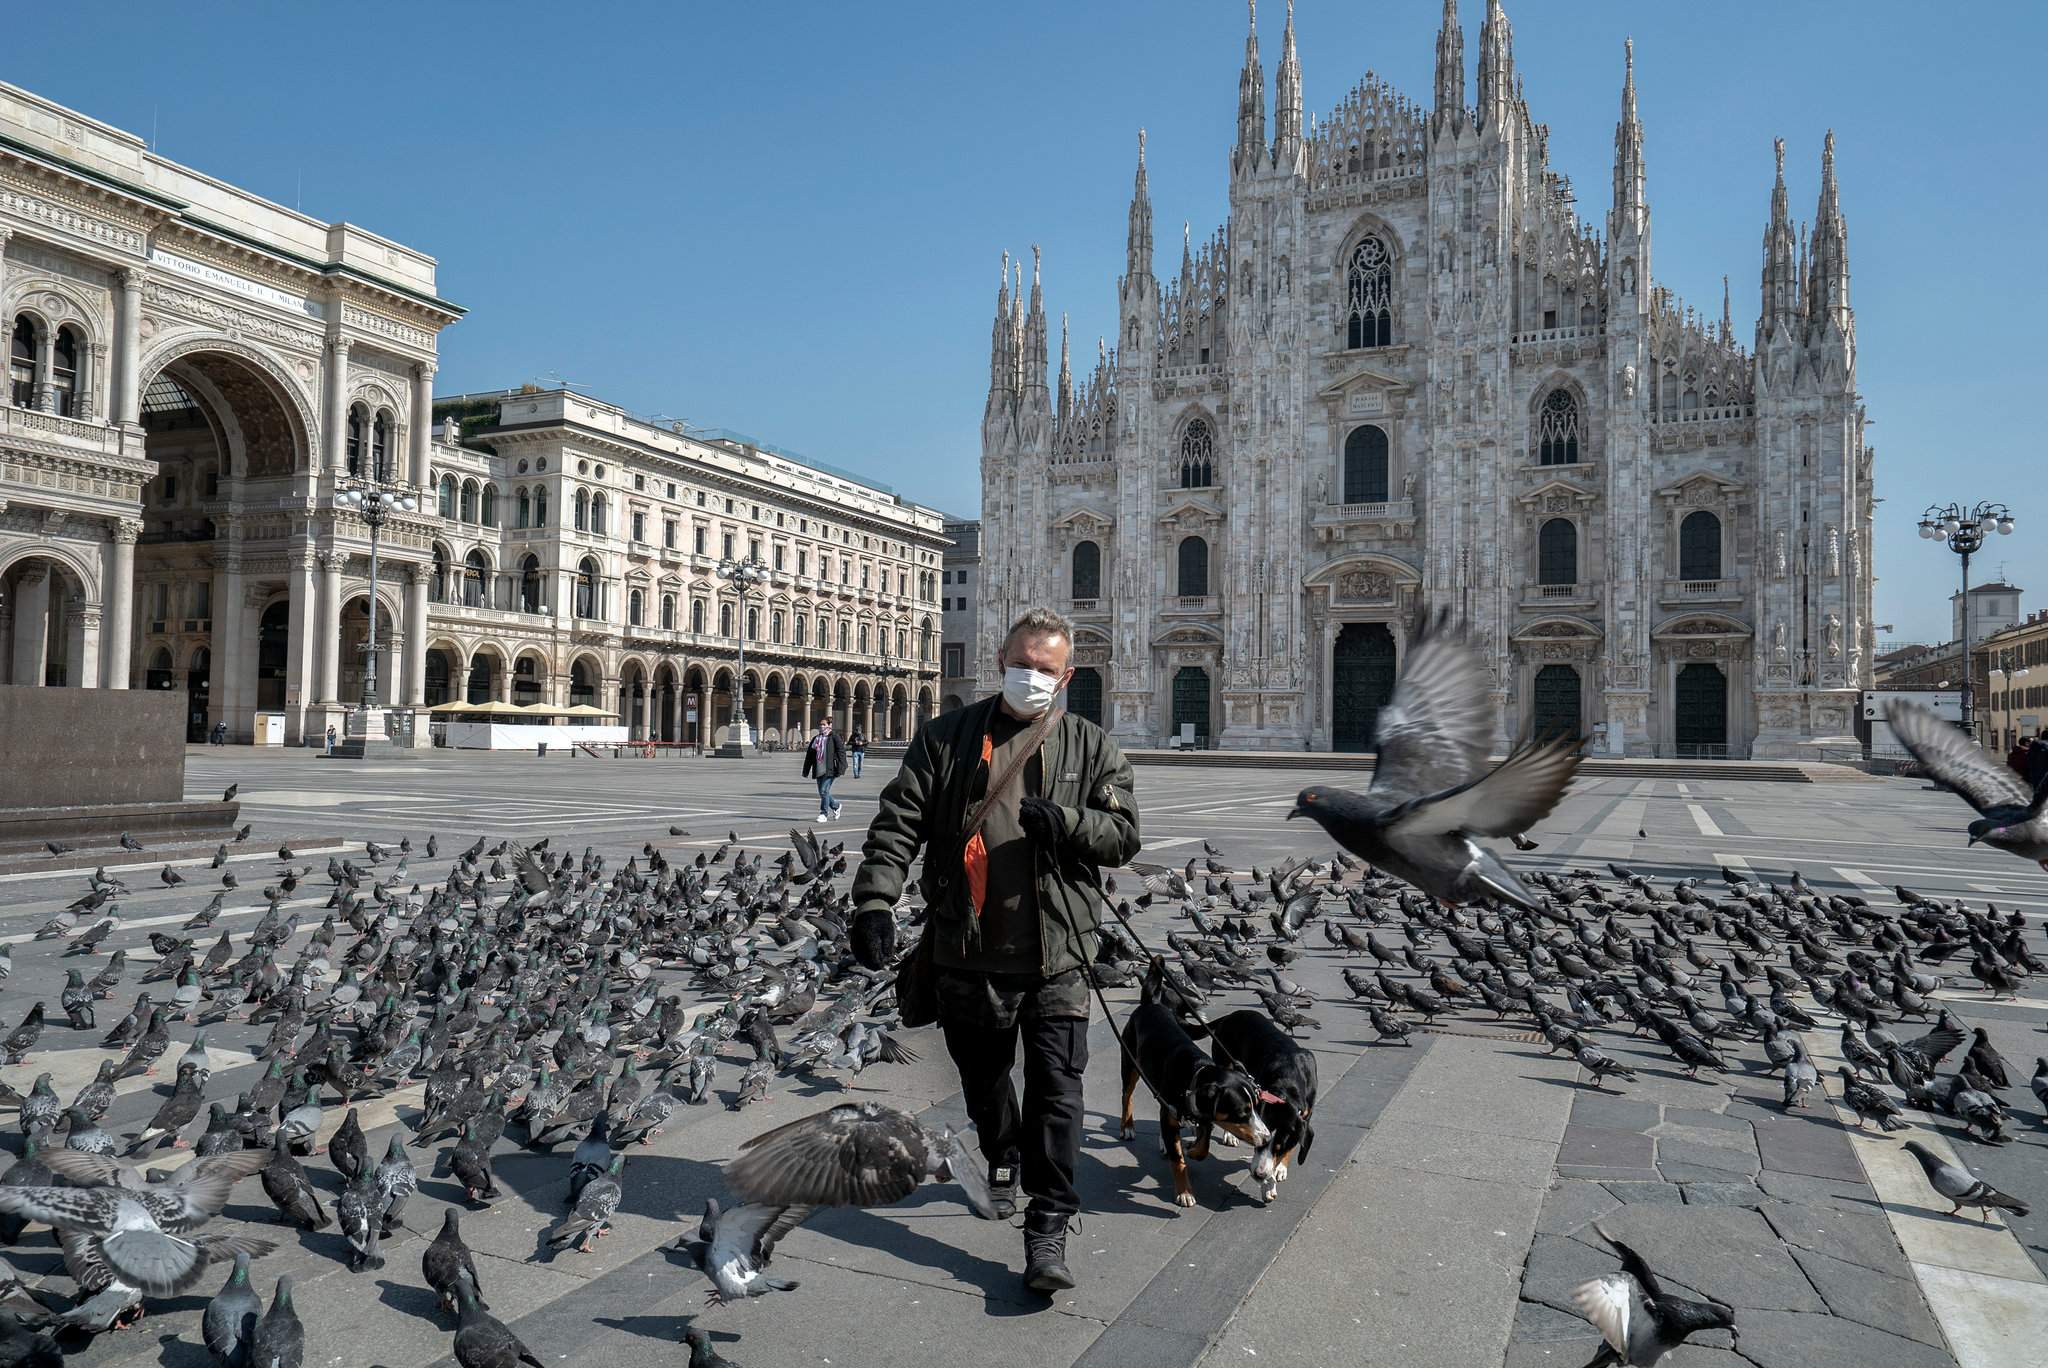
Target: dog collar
1265,1096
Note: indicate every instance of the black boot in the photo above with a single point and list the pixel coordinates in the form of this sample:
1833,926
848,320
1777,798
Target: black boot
1002,1189
1045,1252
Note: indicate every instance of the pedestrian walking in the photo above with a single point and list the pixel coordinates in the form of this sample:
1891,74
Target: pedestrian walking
220,733
1018,806
857,747
825,760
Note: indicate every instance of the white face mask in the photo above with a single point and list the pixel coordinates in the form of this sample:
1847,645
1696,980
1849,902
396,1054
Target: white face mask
1028,692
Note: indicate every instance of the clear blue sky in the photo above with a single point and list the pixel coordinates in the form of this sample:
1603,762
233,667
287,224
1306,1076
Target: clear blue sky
787,219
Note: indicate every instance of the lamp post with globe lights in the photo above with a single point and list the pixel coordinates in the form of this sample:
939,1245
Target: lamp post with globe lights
374,504
745,576
1964,529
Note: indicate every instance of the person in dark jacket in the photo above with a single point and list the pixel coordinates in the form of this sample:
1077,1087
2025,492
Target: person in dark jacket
857,748
2016,758
1012,961
825,760
2037,762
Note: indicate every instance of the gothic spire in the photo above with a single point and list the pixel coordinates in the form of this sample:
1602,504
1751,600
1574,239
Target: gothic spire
1828,271
1450,65
1781,245
1628,144
1138,246
1034,330
1017,330
1251,97
1002,366
1727,315
1496,67
1066,389
1287,99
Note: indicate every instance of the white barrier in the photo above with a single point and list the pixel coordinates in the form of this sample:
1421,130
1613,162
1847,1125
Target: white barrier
529,736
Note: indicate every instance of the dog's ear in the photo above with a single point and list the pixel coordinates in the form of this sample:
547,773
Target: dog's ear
1204,1091
1308,1139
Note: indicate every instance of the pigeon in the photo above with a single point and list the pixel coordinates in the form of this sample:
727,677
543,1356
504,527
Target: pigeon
396,1180
1430,794
1600,1064
285,1183
862,1154
21,1347
445,1261
137,1230
41,1108
2010,814
348,1149
594,1210
173,1116
702,1355
77,1000
481,1340
593,1156
14,1049
470,1162
732,1245
279,1340
1801,1077
1639,1321
360,1209
230,1320
1869,1104
1960,1186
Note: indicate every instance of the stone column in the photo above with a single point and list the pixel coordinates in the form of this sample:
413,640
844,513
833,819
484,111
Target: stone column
117,593
46,355
327,626
422,431
334,435
229,610
31,624
5,234
415,694
83,632
126,405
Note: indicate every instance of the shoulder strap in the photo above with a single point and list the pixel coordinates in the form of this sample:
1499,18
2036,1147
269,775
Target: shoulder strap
1039,730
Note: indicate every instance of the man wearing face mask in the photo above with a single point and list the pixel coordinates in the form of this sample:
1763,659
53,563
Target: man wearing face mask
1011,879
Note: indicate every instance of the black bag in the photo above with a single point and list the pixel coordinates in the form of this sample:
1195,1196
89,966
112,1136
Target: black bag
917,982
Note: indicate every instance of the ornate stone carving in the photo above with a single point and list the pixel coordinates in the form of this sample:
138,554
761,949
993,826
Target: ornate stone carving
1365,586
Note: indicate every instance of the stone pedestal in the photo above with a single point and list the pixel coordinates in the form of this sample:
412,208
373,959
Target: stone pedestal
364,737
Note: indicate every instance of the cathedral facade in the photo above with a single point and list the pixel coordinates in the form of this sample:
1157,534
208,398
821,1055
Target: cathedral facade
1407,375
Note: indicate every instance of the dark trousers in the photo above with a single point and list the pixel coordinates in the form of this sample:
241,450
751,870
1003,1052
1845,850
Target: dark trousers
1045,1140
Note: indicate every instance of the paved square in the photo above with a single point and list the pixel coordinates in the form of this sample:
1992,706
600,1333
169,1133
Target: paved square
1444,1218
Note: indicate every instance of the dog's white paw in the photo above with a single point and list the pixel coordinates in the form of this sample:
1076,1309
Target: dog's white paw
1224,1137
1186,1199
1280,1174
1127,1133
1270,1191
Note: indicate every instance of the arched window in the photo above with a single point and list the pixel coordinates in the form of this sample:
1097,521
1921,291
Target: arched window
582,510
21,363
863,638
469,501
696,615
479,679
633,608
1084,694
597,507
1197,456
725,619
586,589
1557,429
525,682
844,632
582,685
1557,553
529,585
355,440
380,446
490,506
753,624
437,588
1194,567
1669,394
437,677
476,570
775,627
540,506
1369,296
1365,466
522,508
1087,570
448,497
668,612
800,622
64,372
1699,547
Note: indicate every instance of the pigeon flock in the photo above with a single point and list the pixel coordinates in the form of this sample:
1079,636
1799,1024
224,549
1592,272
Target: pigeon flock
569,1005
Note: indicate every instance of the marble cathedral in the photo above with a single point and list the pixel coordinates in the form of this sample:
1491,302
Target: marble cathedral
1407,374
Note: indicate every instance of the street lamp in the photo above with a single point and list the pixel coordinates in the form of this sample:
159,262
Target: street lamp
373,503
1964,529
745,575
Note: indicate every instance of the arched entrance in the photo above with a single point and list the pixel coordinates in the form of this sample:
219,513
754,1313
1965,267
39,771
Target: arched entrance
1191,701
1700,712
482,675
355,634
1556,703
51,642
198,694
1084,694
273,656
158,674
1361,682
525,681
437,677
582,685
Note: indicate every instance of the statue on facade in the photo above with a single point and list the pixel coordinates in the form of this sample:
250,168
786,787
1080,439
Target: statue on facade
1831,637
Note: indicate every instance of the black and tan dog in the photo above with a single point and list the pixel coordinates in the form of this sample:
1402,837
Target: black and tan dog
1189,1085
1286,1077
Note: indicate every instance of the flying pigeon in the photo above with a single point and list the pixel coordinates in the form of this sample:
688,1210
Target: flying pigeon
1639,1320
2010,814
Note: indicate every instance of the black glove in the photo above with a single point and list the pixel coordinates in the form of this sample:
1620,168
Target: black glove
873,936
1044,821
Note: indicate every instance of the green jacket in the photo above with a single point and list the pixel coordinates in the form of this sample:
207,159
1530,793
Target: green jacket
926,805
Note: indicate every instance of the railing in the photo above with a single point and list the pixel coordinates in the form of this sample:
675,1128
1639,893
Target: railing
1560,334
1365,512
1703,589
35,420
1557,591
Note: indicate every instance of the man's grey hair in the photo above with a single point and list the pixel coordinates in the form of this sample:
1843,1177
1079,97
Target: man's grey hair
1042,623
